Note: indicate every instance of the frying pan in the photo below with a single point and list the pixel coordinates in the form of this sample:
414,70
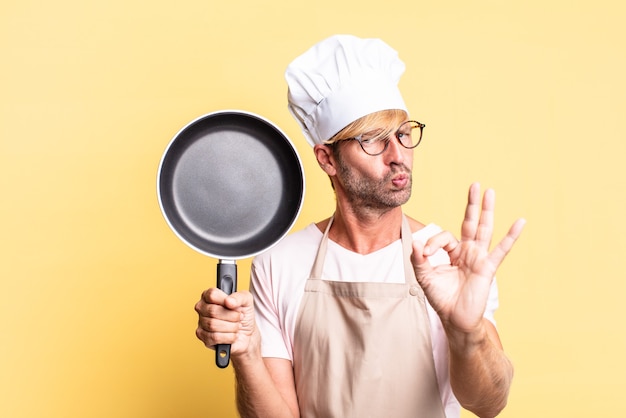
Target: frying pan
230,185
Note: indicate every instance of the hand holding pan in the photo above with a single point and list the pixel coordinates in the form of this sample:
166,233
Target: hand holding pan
230,185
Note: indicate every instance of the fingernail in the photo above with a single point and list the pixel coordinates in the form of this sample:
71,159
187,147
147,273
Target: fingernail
427,250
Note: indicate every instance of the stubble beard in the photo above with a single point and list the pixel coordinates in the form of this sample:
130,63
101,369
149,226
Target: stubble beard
374,194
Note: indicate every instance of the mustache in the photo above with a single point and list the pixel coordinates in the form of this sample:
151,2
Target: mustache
399,169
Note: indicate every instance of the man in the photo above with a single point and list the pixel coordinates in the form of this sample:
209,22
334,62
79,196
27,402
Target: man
368,313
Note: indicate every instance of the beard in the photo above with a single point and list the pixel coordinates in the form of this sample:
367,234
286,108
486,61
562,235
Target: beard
371,193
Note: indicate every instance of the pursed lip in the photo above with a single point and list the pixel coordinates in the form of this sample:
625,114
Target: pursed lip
400,180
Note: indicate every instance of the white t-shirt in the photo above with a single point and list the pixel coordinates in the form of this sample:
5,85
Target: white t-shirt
278,277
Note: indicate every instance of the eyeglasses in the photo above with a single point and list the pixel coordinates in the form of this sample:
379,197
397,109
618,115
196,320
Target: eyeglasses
376,142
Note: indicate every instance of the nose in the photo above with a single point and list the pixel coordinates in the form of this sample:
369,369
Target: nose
395,152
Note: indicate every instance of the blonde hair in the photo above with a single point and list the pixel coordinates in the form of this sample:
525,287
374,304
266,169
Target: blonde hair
390,119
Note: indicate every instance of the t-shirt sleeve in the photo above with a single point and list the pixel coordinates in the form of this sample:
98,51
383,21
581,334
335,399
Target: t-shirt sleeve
492,303
267,315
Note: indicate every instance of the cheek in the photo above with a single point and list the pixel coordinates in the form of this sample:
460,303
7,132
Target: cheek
410,162
408,159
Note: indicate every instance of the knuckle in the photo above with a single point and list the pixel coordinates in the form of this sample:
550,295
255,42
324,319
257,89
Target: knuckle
203,323
200,333
209,295
205,337
210,324
213,310
199,306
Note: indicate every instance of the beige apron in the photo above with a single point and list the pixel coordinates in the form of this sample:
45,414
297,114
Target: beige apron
364,349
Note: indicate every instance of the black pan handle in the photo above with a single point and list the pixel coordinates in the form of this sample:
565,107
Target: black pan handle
227,282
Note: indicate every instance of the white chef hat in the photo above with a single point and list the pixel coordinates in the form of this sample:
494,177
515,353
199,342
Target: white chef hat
340,80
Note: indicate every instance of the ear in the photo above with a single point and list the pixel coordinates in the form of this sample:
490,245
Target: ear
325,158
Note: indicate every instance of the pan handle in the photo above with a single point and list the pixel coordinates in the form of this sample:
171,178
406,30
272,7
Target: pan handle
227,282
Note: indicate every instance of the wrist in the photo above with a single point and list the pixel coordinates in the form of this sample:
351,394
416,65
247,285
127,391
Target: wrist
251,355
466,342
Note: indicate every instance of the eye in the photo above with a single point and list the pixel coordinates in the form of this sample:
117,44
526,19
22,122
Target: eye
404,136
367,140
371,137
401,134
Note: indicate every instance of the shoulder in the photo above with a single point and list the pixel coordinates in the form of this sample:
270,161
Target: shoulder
414,224
427,231
423,231
294,246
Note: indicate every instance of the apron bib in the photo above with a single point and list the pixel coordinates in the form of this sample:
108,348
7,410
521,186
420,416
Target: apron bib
364,349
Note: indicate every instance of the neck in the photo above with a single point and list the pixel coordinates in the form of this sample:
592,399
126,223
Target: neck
365,233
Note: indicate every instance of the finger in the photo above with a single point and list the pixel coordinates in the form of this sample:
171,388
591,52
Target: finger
211,339
420,262
217,307
219,312
210,299
213,324
506,244
205,337
240,299
233,301
485,225
472,213
417,256
218,326
214,296
444,240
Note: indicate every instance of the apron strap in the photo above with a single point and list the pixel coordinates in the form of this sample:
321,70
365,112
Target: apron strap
318,264
407,250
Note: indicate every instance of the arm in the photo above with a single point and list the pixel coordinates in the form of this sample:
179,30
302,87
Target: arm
265,387
480,373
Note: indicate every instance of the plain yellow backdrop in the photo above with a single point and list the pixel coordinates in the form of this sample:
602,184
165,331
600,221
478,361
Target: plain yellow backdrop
97,294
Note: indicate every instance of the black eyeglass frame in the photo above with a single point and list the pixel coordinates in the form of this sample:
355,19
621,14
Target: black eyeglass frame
420,125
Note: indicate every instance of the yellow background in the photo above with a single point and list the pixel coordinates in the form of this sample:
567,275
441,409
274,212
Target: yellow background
97,294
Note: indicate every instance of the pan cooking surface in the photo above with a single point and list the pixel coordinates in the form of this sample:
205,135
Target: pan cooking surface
230,185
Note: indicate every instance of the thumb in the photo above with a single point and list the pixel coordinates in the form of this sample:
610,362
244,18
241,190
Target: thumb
241,299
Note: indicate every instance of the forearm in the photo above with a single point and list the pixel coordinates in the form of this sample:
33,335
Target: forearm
257,394
480,372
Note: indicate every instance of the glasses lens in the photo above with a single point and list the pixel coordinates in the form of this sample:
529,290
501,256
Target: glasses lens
409,134
373,143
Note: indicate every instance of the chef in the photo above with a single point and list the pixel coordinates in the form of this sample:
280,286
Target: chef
369,312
